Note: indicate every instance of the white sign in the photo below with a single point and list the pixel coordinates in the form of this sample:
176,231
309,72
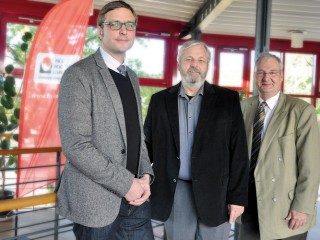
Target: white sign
50,67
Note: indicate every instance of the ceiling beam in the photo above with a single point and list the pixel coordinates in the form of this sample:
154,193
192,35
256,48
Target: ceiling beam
209,11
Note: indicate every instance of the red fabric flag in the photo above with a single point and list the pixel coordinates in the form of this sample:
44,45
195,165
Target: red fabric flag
58,43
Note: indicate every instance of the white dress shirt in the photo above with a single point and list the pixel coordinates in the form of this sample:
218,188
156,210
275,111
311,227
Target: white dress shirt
269,110
111,62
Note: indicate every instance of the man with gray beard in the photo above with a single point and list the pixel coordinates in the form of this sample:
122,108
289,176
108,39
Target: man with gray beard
196,140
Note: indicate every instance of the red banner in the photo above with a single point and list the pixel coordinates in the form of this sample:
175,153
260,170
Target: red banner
58,43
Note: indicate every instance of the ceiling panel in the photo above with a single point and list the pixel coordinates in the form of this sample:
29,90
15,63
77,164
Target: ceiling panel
238,18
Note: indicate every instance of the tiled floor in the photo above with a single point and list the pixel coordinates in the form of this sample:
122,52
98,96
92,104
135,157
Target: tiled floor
44,219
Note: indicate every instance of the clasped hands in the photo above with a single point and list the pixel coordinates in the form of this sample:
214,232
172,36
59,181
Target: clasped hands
139,191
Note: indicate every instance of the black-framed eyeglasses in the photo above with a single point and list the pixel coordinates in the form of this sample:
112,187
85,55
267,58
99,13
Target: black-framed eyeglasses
261,74
116,25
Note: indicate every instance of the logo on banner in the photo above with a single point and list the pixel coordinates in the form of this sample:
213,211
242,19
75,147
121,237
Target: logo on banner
50,67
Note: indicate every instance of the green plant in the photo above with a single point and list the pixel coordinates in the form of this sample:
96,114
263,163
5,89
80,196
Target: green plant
243,94
9,114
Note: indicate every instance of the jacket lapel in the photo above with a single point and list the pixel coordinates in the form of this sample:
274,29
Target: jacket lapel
113,93
173,113
275,122
207,107
135,83
248,114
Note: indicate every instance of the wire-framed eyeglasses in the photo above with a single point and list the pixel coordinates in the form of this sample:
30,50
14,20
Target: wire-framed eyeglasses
116,25
261,74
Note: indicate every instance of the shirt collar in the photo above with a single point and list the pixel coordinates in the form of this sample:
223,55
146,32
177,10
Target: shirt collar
271,102
111,62
183,94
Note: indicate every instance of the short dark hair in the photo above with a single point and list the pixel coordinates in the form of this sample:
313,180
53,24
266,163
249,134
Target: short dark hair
111,6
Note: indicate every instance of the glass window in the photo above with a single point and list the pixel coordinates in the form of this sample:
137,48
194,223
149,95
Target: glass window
318,111
209,77
92,42
146,93
299,72
146,57
308,100
231,69
14,55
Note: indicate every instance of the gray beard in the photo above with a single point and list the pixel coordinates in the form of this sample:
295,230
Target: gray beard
192,84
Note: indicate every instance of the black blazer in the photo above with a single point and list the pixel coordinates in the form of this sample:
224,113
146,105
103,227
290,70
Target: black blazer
219,158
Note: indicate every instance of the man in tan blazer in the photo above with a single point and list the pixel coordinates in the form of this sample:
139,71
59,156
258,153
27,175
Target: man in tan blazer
285,172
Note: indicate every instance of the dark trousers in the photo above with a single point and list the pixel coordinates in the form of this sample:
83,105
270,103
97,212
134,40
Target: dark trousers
132,223
249,229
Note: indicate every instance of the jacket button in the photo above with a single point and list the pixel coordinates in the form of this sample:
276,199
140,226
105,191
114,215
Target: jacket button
274,199
273,179
178,158
123,151
280,159
174,180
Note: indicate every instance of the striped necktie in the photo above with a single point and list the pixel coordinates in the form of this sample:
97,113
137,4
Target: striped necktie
256,138
122,70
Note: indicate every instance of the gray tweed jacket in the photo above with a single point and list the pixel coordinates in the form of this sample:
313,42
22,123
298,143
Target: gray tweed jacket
93,136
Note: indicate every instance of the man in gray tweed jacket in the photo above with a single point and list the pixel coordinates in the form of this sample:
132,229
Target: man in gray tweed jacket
105,183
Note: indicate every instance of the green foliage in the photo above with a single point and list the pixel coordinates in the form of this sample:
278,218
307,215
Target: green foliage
12,160
2,128
3,116
18,35
10,103
16,113
5,144
242,94
91,43
27,37
9,89
136,65
9,69
298,73
146,93
15,137
24,47
7,102
50,188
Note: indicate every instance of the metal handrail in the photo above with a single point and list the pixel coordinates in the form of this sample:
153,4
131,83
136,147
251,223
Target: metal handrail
17,151
19,203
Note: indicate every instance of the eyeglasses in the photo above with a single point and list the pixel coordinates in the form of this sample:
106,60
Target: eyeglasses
261,74
116,25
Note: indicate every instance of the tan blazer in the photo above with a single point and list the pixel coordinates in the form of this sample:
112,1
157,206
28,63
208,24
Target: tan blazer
287,173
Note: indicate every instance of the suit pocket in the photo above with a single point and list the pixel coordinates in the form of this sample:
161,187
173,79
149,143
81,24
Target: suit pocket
287,148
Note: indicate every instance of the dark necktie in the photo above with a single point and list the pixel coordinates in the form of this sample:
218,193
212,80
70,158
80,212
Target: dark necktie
122,70
256,138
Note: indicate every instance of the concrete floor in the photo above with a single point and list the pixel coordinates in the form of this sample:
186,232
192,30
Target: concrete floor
44,220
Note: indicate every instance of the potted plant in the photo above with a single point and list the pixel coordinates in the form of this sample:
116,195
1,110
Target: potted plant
9,123
9,120
243,94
